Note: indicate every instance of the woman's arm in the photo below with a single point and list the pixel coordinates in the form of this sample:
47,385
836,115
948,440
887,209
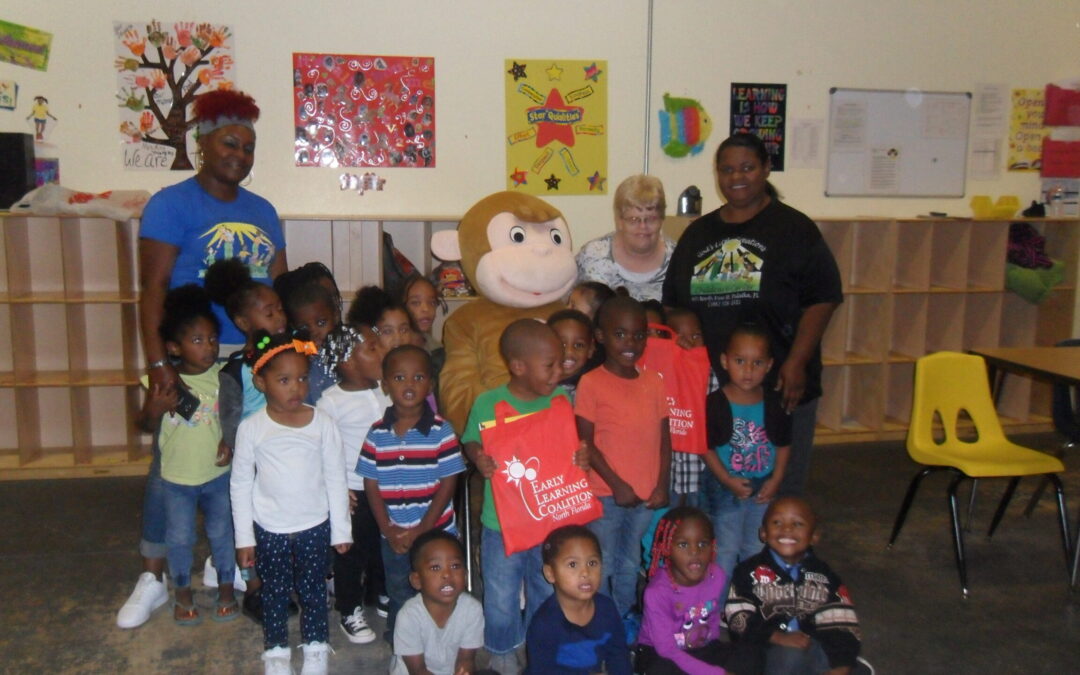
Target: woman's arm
156,261
280,264
791,380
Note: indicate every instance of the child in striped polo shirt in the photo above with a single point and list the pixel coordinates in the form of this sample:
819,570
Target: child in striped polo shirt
409,463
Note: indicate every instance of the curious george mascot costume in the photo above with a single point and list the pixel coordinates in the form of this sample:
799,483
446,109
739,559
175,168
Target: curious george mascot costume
515,249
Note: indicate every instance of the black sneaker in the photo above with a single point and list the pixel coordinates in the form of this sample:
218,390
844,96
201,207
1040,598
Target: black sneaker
355,627
382,607
252,605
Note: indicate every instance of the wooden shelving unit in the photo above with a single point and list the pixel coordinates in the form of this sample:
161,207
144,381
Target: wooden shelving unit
68,298
69,377
917,286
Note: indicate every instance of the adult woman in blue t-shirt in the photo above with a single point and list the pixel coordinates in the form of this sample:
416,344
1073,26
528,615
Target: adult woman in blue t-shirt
185,228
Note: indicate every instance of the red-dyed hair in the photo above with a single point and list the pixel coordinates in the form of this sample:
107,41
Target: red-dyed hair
219,103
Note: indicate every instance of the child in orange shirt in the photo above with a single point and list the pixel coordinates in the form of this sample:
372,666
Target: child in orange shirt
622,415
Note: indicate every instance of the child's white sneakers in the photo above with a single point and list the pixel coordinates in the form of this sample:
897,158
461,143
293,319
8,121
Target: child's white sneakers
210,579
316,658
278,661
149,594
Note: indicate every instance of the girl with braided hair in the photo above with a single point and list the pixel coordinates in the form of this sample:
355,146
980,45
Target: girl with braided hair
680,631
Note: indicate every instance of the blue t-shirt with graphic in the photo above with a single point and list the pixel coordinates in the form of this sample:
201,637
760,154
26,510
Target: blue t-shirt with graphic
206,230
750,454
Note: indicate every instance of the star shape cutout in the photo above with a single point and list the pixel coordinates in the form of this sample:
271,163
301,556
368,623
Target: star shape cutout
518,71
519,177
552,182
547,132
554,73
596,182
592,72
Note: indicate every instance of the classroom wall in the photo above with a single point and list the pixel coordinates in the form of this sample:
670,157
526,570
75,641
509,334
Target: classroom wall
699,47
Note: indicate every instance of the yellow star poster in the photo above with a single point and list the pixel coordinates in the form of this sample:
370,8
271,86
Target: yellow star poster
556,126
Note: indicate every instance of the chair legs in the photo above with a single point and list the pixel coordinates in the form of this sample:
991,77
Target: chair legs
908,499
1003,504
1063,520
958,535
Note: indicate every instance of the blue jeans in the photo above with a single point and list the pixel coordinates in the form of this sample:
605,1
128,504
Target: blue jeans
620,530
396,568
735,523
504,626
153,543
181,503
296,560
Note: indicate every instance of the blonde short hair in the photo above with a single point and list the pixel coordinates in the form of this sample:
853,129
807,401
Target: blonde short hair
642,191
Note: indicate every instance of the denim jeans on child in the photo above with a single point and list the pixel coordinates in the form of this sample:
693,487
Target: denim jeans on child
620,530
396,568
504,626
287,561
736,522
181,504
153,543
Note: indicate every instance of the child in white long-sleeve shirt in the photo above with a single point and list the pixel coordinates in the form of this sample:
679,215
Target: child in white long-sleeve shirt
290,500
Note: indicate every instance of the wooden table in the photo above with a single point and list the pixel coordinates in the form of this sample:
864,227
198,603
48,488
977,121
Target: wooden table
1059,365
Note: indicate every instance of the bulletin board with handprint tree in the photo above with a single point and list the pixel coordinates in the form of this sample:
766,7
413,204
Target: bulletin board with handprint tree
160,70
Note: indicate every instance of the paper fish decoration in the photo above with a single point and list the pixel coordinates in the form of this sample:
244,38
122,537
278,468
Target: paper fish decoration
684,126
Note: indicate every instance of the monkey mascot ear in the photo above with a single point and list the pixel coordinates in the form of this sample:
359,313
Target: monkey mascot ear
515,249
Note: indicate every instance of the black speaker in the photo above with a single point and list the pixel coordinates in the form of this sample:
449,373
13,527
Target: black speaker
16,167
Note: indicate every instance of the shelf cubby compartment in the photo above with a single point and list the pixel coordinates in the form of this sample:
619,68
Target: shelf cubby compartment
1053,318
868,327
900,386
949,254
863,403
839,238
907,338
872,254
945,322
986,255
982,320
1062,243
36,243
89,276
834,342
911,271
1018,321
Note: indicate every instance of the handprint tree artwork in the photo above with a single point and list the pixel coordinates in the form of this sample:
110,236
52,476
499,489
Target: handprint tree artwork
160,72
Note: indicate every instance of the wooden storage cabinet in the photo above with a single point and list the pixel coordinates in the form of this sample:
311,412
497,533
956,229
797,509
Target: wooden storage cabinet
914,287
69,379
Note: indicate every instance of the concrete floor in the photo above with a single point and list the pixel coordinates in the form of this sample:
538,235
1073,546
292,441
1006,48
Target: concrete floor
68,560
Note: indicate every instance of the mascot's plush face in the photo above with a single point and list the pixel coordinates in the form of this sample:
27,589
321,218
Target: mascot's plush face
515,249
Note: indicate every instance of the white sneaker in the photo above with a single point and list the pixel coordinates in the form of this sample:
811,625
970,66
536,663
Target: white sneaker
355,627
149,594
316,658
504,664
210,579
277,661
383,606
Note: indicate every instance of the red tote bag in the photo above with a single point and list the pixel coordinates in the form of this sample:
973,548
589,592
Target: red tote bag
686,381
536,486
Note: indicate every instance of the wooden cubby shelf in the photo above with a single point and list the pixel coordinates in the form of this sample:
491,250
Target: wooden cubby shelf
918,286
69,388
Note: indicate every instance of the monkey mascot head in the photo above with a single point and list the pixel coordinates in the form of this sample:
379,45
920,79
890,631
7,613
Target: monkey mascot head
515,250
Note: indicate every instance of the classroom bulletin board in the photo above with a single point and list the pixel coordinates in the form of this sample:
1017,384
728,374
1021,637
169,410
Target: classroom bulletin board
897,143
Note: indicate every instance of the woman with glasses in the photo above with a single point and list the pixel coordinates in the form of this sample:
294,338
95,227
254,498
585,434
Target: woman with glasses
634,256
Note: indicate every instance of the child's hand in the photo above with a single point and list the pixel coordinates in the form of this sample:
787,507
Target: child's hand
658,499
352,502
796,639
245,557
224,454
485,464
394,538
767,491
407,537
740,487
624,495
342,548
581,456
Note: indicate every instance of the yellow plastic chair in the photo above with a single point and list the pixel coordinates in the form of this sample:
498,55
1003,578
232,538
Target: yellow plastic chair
946,384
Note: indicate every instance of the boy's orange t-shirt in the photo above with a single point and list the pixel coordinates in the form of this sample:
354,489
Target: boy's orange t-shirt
626,417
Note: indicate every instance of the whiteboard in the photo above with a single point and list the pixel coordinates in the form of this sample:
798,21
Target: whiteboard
894,143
